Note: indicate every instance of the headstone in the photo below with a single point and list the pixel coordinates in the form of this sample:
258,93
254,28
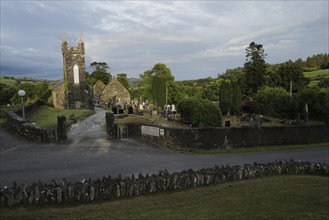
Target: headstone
173,109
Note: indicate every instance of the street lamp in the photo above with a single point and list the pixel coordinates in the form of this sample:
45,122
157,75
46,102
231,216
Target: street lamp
21,93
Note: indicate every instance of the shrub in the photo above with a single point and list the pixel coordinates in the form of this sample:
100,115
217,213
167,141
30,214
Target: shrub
275,102
324,83
317,101
197,110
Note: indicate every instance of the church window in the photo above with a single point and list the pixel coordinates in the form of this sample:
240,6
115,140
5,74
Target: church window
76,74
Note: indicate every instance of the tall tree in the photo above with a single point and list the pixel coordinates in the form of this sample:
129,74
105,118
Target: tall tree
145,85
210,92
159,90
236,97
146,80
7,92
255,66
292,72
163,71
225,96
99,73
122,78
99,66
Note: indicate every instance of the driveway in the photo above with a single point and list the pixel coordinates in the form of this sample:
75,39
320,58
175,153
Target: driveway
89,128
89,155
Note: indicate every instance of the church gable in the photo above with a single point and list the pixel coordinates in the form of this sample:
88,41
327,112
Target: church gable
115,90
98,89
58,95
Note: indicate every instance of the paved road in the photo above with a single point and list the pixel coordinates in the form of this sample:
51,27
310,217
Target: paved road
94,156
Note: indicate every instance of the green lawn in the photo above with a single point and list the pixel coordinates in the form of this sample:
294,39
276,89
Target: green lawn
316,76
318,73
46,117
280,197
150,121
261,149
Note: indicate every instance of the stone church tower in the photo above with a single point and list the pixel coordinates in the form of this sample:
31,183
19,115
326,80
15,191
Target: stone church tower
78,93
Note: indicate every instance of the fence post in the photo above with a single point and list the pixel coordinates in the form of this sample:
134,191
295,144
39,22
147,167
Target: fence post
110,127
61,128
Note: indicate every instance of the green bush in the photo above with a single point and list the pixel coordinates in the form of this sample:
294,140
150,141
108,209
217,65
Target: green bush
6,93
317,101
275,102
197,110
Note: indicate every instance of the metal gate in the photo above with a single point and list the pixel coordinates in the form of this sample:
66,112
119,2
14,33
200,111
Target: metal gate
91,127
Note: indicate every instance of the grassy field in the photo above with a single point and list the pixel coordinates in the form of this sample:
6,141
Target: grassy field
46,117
280,197
261,149
316,76
11,81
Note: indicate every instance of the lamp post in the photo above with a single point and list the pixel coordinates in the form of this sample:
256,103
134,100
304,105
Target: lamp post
21,93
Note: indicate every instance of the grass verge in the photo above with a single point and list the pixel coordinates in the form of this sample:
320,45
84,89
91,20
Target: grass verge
148,120
261,149
279,197
46,117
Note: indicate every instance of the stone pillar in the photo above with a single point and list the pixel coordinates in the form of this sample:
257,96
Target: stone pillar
110,126
61,128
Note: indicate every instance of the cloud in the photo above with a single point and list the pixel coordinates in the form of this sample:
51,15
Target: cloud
195,39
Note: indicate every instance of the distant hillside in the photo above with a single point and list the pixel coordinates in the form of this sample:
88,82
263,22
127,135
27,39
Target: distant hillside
133,82
316,76
11,80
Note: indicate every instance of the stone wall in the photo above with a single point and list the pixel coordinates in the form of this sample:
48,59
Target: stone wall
212,138
26,129
33,132
108,188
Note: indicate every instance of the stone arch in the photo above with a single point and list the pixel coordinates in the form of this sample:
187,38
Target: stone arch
76,77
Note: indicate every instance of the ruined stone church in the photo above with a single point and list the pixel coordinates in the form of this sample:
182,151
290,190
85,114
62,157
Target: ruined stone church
73,92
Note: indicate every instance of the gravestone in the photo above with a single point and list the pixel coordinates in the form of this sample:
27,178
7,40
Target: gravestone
173,109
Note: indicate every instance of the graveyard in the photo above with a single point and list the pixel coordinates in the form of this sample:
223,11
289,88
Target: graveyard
104,124
164,110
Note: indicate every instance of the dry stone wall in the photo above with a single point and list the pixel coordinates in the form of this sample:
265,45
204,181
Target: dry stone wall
26,129
213,138
33,132
108,188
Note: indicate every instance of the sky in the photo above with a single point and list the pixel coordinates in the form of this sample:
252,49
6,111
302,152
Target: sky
195,39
